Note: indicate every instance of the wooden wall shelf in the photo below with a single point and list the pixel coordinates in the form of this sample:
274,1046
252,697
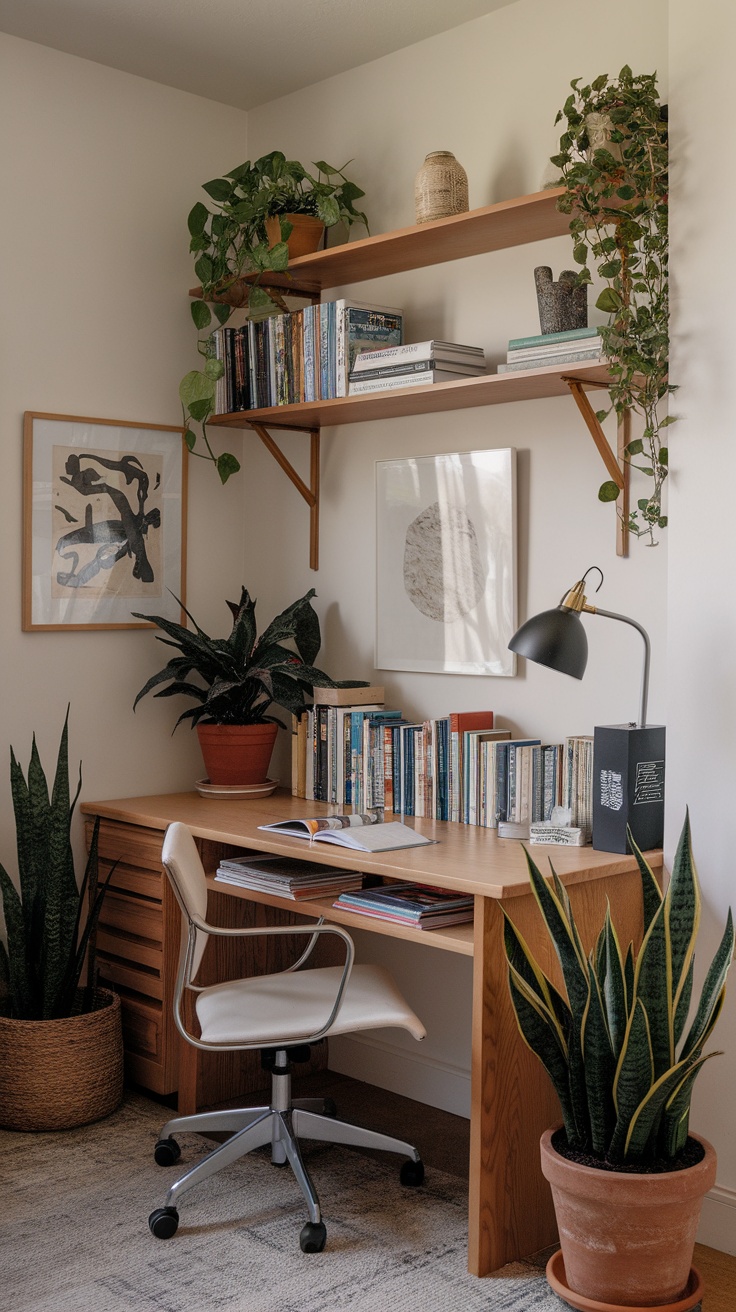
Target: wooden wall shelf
492,228
489,389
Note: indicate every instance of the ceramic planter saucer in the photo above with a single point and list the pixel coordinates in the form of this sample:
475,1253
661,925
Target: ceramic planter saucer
235,792
558,1283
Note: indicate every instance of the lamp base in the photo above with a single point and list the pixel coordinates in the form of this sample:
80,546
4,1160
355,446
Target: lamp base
628,786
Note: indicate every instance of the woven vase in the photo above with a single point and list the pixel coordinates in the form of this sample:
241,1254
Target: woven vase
440,187
56,1074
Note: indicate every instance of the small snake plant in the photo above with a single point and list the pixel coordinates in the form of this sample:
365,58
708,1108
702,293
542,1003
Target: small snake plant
51,923
614,1046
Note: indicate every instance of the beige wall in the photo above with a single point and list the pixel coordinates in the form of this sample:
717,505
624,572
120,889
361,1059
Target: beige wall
99,172
701,710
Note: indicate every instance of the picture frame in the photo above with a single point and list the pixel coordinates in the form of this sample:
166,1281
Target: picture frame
446,563
104,522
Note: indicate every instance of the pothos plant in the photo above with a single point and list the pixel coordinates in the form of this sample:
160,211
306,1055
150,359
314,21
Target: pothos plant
232,242
613,160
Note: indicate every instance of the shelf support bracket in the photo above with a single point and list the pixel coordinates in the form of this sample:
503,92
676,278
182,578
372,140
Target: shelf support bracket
617,466
310,494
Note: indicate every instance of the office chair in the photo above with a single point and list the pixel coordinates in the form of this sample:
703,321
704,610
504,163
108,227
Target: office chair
281,1014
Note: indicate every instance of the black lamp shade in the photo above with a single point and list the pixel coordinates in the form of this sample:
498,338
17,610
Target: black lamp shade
555,638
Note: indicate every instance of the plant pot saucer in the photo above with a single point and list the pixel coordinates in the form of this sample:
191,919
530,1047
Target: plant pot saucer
558,1283
235,792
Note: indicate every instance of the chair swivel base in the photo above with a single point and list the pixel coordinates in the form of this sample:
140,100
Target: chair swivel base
281,1125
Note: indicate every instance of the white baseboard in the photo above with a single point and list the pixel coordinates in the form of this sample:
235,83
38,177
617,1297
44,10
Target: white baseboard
412,1074
717,1226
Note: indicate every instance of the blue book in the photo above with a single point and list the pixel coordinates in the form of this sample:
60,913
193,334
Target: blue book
549,339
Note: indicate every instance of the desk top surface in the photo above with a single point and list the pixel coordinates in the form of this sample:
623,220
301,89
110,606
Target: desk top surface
465,858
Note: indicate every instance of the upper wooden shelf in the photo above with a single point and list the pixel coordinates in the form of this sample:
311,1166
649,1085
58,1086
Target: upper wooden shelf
492,228
489,389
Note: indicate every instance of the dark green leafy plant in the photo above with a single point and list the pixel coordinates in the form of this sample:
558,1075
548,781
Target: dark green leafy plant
232,241
616,194
614,1047
51,924
242,675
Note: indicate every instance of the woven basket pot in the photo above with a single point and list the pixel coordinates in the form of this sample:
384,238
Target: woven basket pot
56,1074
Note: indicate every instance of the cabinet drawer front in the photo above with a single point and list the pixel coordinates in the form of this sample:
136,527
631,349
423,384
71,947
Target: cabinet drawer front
124,975
129,843
127,948
142,1028
132,915
129,879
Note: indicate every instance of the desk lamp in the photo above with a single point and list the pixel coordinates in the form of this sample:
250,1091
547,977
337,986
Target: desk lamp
628,759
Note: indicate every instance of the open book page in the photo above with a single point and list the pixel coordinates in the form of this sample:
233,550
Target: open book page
363,833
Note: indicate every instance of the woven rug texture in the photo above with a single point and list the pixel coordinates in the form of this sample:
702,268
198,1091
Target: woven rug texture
75,1236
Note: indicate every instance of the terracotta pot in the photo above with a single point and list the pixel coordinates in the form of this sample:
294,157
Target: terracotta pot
306,233
627,1240
56,1074
237,753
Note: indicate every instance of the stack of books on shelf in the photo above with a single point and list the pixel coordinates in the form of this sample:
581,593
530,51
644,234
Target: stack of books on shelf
416,364
286,876
577,781
417,905
552,348
299,357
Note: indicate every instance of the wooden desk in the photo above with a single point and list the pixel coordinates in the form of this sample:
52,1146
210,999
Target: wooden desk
512,1102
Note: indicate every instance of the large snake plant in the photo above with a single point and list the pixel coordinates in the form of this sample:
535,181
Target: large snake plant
50,924
614,1047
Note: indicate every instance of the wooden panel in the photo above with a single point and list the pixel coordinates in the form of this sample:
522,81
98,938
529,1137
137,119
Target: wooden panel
130,843
130,948
490,228
129,879
142,1027
488,389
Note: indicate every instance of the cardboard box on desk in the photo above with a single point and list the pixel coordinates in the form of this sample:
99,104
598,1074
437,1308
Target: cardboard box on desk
628,786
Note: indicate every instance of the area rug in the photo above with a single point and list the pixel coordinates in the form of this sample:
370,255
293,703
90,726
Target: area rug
75,1236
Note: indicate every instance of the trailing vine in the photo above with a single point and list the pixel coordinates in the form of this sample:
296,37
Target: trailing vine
613,160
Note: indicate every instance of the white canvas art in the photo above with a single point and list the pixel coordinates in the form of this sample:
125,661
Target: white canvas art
446,563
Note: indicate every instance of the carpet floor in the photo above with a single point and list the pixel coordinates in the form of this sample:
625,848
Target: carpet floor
75,1236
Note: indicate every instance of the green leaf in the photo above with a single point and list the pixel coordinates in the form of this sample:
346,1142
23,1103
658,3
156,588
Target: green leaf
611,269
600,1068
200,314
196,386
328,210
190,438
538,1031
580,253
220,189
279,257
608,491
226,466
214,368
197,219
200,411
222,312
635,448
626,192
633,1079
609,301
614,987
711,997
204,269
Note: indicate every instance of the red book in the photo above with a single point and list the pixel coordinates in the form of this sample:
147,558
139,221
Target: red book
460,723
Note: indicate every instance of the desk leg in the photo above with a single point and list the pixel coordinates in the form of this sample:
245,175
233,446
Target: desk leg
512,1103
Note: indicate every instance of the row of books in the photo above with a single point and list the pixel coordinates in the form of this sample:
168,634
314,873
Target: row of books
415,364
552,348
418,905
303,356
456,767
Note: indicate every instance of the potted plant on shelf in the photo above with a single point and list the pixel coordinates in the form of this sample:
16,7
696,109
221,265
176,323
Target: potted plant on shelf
61,1049
266,212
613,161
242,676
627,1177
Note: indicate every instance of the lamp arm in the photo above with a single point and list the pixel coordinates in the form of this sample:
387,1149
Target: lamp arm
625,619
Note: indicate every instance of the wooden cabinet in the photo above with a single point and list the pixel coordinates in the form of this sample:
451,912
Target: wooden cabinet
138,950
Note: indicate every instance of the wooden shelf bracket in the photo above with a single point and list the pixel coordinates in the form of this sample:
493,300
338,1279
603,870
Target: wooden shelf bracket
311,493
617,466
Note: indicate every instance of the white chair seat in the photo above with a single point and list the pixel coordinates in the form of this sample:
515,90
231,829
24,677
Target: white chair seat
274,1009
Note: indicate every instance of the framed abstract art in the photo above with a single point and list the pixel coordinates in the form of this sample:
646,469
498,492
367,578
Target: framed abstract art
446,563
104,522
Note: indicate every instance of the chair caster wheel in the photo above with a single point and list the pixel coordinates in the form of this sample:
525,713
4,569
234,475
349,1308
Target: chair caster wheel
313,1237
164,1222
412,1174
330,1107
167,1152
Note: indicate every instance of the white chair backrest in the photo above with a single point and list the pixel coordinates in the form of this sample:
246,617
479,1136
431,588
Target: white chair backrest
182,864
